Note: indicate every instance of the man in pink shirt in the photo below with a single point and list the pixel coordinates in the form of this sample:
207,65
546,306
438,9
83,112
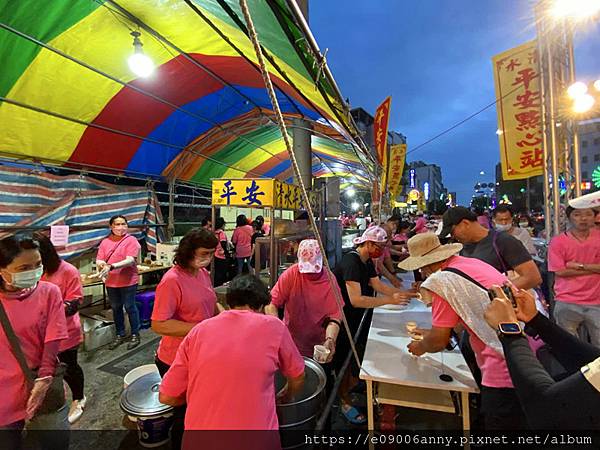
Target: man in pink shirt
458,288
225,367
574,257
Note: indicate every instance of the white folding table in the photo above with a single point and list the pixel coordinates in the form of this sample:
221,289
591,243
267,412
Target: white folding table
396,377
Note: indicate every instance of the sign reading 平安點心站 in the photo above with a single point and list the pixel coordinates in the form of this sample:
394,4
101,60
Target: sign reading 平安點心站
257,192
517,81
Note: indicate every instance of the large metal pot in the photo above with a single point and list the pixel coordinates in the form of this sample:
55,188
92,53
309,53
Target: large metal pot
303,412
154,419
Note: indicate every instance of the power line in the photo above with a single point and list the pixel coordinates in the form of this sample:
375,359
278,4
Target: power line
456,125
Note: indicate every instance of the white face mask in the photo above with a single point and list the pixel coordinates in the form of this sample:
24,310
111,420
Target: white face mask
501,227
201,263
523,224
27,279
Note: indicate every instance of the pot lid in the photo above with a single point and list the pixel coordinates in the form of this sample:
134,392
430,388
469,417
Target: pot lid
140,398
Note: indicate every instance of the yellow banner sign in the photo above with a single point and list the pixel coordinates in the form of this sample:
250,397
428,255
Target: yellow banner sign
517,81
256,192
246,192
288,196
395,169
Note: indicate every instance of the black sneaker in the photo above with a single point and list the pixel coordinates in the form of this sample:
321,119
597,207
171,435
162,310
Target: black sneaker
114,344
134,342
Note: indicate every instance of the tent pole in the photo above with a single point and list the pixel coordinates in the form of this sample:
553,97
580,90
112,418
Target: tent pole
171,221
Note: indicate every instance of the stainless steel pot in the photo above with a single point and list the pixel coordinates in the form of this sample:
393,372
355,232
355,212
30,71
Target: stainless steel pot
302,413
140,398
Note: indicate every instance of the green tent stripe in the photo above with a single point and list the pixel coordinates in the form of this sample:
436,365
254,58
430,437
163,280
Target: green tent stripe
233,152
50,19
271,37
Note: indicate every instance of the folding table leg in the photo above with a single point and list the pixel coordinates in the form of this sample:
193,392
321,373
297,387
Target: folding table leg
370,412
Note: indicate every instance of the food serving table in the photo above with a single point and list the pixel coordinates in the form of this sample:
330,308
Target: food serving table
395,377
142,269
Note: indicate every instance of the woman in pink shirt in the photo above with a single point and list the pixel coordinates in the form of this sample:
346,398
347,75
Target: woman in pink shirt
67,278
116,260
184,298
242,239
226,365
35,311
312,313
221,262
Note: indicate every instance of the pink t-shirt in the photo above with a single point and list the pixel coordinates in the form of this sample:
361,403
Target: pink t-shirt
400,237
68,280
226,368
492,364
583,289
309,301
266,229
222,237
182,296
420,225
379,262
36,319
242,238
117,251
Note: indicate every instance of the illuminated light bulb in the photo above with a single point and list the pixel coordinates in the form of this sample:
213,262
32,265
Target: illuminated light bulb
577,90
583,103
139,63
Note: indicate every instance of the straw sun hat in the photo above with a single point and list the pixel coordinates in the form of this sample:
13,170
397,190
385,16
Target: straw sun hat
425,249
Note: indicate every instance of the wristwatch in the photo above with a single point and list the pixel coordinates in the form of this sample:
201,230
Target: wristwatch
581,266
509,329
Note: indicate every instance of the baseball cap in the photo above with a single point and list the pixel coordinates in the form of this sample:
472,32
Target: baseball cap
373,234
453,216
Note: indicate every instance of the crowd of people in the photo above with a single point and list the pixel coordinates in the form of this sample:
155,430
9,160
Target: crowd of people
458,264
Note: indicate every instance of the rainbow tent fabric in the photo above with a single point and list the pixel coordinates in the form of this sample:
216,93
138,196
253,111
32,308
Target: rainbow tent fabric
67,96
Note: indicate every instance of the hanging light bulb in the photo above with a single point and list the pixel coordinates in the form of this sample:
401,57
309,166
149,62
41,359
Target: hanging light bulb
139,63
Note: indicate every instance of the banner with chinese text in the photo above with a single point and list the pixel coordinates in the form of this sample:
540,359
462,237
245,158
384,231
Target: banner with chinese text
395,169
257,192
380,129
517,83
243,192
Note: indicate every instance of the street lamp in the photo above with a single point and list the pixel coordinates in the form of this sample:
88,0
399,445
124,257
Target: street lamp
582,100
576,9
583,103
576,90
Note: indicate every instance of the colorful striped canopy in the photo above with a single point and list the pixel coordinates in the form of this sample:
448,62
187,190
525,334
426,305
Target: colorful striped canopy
68,97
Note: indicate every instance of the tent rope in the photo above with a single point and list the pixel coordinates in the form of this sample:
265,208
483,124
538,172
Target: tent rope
282,126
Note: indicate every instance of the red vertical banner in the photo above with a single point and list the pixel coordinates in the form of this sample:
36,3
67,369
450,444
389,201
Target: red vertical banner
380,128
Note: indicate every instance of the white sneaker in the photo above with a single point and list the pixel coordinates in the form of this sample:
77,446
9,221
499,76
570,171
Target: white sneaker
76,410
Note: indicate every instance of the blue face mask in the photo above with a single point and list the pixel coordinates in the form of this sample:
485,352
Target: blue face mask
27,279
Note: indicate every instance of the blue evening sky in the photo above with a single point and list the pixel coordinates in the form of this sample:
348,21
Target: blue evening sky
434,58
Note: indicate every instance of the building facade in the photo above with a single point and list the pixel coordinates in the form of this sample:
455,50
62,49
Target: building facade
426,178
589,151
